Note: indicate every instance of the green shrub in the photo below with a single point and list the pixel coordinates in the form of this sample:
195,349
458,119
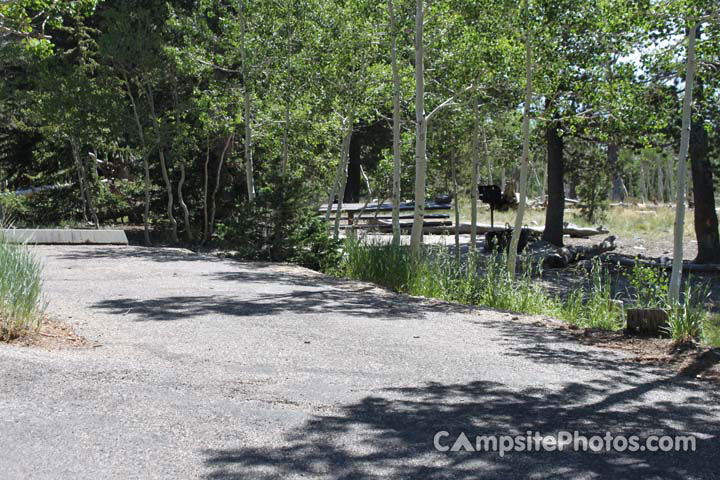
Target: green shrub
11,207
21,306
280,226
49,207
648,286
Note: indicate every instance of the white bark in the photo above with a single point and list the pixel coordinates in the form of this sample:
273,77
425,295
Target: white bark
342,179
397,159
453,162
146,165
288,72
488,158
515,238
170,201
421,130
669,177
181,202
676,275
248,109
205,191
474,174
163,165
228,142
81,178
644,191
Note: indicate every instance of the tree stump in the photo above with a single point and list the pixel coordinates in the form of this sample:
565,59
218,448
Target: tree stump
647,321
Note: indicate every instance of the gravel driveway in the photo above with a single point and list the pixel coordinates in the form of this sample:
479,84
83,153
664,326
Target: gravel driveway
210,368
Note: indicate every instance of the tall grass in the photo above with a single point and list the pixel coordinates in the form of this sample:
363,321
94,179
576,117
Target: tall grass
711,330
484,281
476,280
595,306
21,305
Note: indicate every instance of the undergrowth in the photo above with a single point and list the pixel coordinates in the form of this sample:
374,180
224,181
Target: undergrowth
484,281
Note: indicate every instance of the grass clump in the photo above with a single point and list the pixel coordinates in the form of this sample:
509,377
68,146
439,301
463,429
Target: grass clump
21,306
437,274
711,330
687,319
476,280
594,306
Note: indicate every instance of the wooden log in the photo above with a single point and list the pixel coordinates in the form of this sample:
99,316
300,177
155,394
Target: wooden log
565,256
402,217
572,230
687,267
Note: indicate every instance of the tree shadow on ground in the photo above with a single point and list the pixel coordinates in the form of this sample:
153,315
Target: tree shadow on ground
154,254
391,435
359,303
543,344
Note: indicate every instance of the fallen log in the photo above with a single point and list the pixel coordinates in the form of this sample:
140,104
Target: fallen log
565,256
667,265
572,230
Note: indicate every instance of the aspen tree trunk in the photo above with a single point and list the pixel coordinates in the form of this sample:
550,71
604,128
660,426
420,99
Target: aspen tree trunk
286,150
146,164
86,187
181,202
660,185
342,180
163,165
89,195
247,107
248,149
94,156
170,200
515,238
669,177
677,264
474,174
453,162
205,191
341,167
643,184
421,131
81,178
217,181
617,190
488,158
397,160
334,186
288,72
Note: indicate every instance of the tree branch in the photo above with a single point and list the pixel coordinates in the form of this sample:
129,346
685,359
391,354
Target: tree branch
446,103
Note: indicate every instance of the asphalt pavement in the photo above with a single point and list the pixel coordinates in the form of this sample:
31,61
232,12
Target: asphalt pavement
212,368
